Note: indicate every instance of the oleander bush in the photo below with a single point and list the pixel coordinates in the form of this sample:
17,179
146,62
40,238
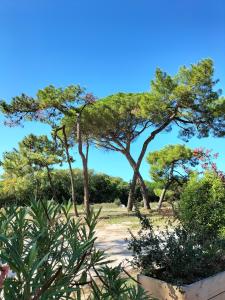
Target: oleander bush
47,254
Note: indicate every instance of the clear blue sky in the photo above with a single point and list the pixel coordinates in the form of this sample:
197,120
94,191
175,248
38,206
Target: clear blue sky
105,46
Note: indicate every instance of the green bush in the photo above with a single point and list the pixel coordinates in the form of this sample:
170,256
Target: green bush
196,248
102,187
202,206
117,202
175,256
52,256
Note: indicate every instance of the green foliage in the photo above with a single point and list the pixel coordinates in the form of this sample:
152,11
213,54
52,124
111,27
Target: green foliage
40,152
48,253
169,162
202,205
188,100
115,286
195,249
53,256
14,164
50,105
22,167
21,189
117,202
170,168
34,153
103,188
176,256
114,118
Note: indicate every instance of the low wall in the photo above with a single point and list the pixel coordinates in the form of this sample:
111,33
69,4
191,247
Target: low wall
211,288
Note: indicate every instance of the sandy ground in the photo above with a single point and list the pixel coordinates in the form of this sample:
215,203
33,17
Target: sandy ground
111,238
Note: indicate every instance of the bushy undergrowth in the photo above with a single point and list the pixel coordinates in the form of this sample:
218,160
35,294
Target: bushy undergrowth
195,249
202,206
102,188
49,255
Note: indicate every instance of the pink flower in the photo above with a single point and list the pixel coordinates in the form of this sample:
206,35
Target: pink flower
4,269
205,165
214,166
89,98
207,152
216,155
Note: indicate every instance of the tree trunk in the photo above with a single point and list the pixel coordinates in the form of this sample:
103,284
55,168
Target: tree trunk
70,171
170,179
162,196
51,183
144,191
130,201
136,164
84,158
137,176
86,187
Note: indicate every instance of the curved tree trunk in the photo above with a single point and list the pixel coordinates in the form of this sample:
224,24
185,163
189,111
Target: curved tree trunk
144,191
130,202
136,164
163,194
70,171
84,158
86,182
51,183
136,176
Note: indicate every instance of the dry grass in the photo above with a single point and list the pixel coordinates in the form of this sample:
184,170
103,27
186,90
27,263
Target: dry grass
112,214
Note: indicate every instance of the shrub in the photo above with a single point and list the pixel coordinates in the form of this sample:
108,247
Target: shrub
53,256
142,203
202,206
175,256
102,187
117,202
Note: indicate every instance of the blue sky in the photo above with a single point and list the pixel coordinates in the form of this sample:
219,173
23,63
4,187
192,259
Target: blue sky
105,46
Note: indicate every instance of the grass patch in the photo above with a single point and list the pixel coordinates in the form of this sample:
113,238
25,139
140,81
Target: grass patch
112,214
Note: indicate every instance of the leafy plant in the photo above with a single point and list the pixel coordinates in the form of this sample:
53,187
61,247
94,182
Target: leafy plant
117,202
177,256
202,205
169,169
51,255
115,287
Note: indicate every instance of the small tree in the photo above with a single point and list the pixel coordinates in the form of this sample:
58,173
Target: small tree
50,106
41,153
35,154
17,179
170,165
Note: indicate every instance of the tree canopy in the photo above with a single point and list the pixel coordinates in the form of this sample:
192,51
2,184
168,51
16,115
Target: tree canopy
188,100
170,162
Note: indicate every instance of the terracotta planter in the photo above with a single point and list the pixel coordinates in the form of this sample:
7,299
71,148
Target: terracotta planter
211,288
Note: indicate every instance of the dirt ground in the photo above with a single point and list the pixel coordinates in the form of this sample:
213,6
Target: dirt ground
111,238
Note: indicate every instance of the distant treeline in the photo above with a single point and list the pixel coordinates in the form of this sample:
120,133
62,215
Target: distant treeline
103,188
